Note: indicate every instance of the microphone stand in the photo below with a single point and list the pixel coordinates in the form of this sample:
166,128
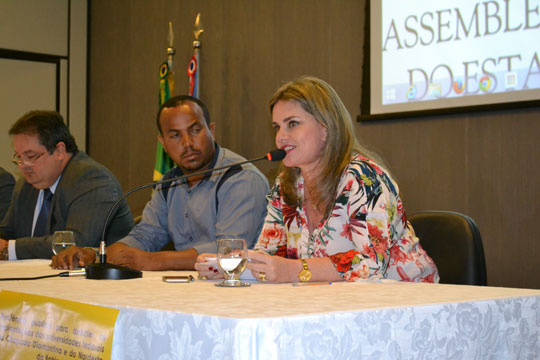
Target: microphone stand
106,271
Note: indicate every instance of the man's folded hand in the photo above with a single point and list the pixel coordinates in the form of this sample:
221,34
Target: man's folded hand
73,257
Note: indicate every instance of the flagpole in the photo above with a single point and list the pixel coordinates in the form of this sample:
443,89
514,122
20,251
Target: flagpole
166,91
194,66
170,50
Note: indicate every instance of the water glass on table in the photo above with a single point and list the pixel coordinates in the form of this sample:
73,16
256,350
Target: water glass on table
232,260
62,240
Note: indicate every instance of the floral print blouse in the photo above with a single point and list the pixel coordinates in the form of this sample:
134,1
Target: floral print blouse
367,235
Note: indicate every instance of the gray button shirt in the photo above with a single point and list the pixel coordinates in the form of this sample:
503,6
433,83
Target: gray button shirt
191,218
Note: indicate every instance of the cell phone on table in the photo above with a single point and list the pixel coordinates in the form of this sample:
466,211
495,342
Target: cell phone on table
178,279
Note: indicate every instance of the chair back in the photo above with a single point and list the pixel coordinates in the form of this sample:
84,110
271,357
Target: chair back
454,243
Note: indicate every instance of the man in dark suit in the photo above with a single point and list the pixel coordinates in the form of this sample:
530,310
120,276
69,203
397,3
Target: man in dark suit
7,181
62,188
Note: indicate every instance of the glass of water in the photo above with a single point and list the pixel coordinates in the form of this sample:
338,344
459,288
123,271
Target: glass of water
62,240
232,259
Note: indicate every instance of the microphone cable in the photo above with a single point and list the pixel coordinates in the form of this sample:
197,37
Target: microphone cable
81,272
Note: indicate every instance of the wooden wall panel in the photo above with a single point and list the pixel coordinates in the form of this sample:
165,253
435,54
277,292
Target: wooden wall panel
481,164
504,192
425,157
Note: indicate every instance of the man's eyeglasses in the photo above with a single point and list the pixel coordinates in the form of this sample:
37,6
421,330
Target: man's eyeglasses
26,161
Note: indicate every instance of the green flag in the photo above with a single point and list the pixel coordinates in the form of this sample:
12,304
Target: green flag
166,90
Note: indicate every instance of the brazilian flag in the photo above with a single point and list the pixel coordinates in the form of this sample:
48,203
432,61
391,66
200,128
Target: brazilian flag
166,90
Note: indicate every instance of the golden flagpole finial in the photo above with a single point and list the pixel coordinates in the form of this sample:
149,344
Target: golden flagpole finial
171,36
198,28
170,50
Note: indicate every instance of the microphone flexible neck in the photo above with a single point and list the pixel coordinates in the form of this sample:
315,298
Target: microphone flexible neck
274,155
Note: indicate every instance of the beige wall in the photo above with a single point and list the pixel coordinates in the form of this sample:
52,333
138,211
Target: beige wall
482,164
42,65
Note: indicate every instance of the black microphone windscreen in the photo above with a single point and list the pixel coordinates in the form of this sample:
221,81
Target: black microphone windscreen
276,155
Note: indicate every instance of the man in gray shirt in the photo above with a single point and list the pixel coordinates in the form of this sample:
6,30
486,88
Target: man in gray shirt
195,212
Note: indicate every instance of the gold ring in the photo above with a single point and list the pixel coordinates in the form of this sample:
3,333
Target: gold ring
262,276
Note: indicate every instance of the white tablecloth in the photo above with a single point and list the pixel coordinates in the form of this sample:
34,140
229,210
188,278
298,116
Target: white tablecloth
391,320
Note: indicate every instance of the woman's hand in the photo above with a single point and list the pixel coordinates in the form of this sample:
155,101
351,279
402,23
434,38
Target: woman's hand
207,266
279,269
274,268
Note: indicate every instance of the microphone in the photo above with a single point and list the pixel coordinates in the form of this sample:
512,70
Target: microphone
276,155
104,270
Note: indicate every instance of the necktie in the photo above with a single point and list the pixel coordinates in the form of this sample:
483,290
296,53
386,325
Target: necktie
41,222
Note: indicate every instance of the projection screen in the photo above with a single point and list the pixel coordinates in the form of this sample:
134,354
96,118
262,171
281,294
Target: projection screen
450,54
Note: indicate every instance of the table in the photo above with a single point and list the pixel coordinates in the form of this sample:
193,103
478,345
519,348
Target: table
360,320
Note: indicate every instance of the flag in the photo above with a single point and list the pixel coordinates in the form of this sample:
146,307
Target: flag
193,69
193,74
166,89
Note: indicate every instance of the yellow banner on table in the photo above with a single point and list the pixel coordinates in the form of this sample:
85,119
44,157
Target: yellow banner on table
45,328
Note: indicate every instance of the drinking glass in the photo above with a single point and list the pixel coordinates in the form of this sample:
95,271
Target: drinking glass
62,240
232,259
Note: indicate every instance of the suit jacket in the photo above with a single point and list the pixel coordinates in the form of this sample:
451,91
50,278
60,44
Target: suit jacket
84,195
7,181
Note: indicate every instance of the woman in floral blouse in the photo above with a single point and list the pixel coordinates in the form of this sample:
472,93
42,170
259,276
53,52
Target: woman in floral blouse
332,205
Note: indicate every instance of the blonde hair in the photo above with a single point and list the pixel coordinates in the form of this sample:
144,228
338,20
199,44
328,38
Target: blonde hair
320,100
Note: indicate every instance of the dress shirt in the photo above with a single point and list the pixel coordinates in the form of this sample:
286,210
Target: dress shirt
190,218
11,245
